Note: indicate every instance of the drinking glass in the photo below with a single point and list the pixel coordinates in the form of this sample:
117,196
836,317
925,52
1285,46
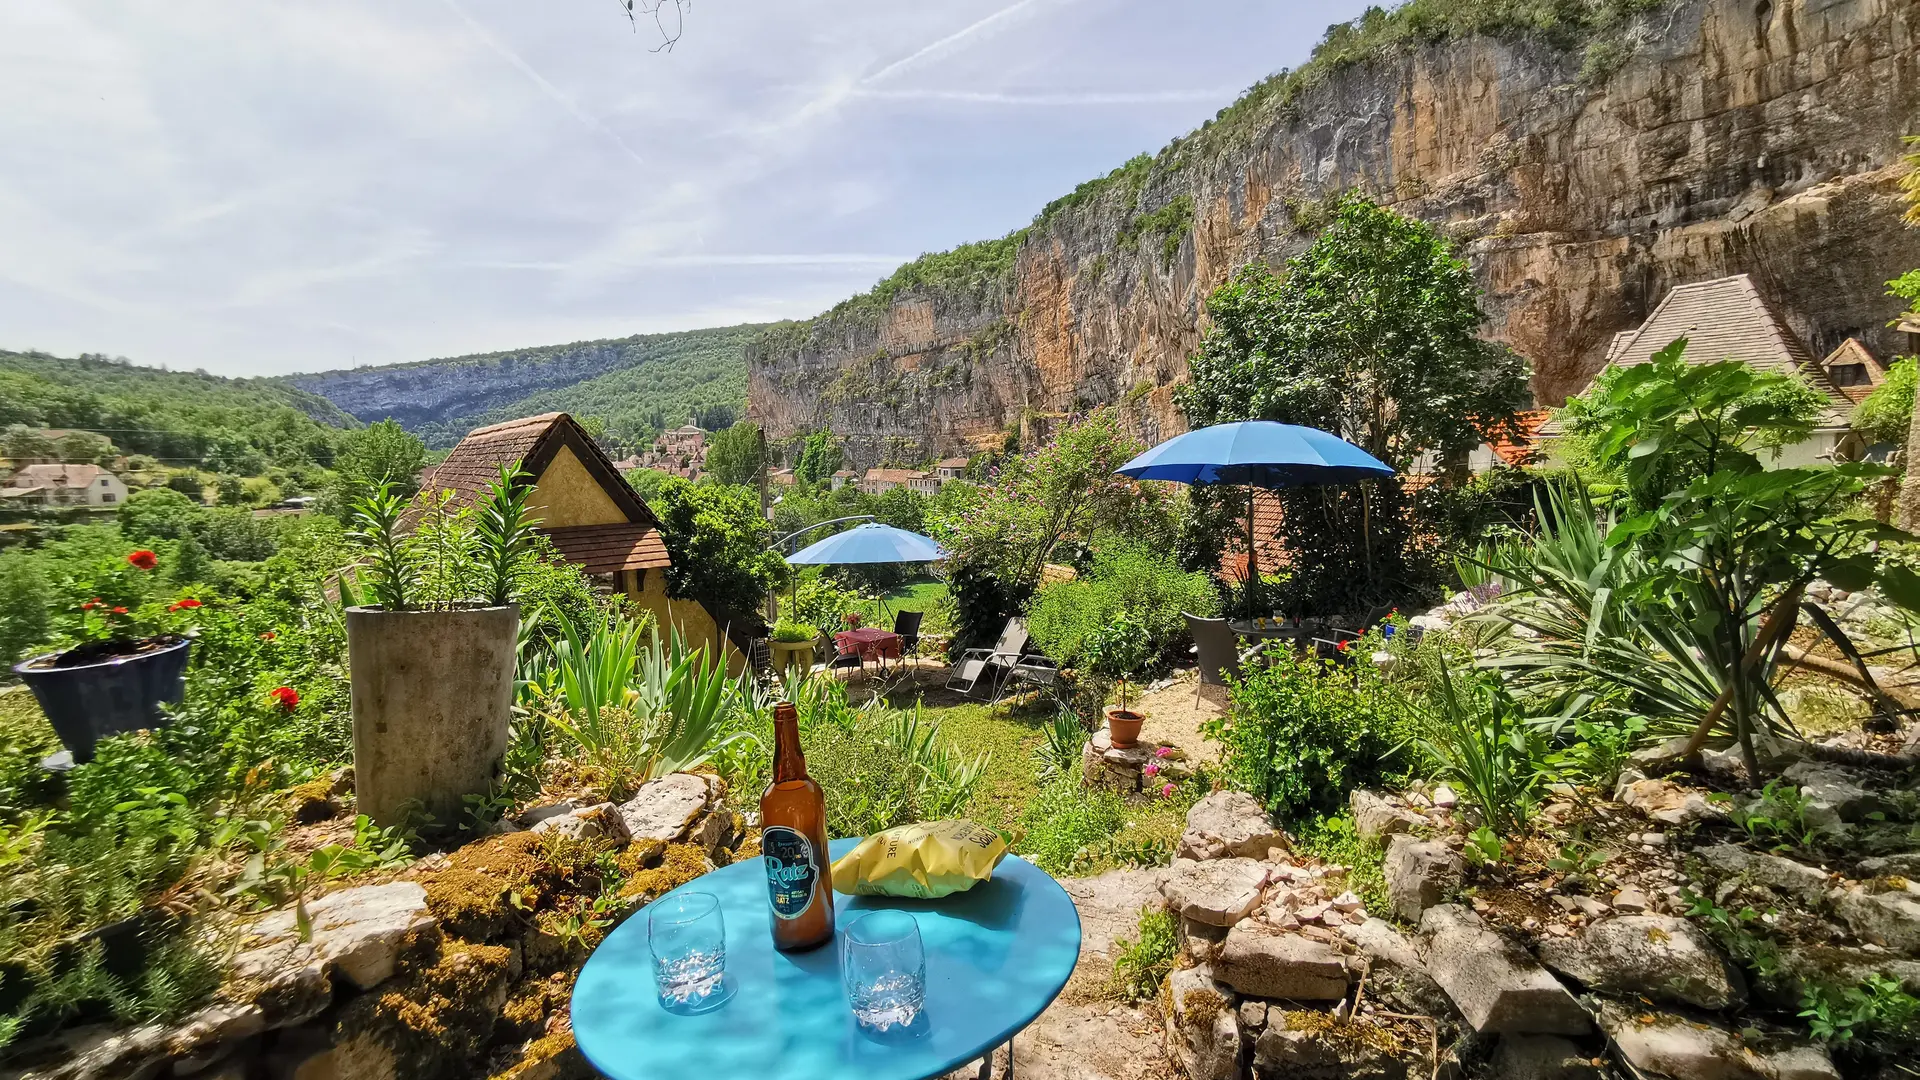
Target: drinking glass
688,938
885,969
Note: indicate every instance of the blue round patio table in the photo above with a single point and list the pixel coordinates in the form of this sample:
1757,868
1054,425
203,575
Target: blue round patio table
997,955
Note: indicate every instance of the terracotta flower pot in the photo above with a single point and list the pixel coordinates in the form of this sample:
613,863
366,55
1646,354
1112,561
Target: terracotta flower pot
1124,726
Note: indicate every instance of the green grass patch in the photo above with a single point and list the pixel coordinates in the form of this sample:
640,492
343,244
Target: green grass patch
1009,782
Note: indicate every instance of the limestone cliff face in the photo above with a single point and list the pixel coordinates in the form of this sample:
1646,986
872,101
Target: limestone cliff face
1737,137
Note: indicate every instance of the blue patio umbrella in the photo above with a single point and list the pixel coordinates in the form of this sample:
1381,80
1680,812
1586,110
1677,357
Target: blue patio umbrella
1256,453
869,543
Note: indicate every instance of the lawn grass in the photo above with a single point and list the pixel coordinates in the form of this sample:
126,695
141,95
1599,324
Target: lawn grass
1012,782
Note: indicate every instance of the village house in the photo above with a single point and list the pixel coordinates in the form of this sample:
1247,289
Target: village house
880,481
1728,319
686,440
842,479
594,519
64,485
952,468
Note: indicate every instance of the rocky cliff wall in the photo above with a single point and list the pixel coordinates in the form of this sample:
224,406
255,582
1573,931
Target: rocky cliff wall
1734,137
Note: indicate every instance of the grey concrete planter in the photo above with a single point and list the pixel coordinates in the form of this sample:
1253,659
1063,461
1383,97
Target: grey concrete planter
432,699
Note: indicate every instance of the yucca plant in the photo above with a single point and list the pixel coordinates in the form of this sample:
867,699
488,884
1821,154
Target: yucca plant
1484,746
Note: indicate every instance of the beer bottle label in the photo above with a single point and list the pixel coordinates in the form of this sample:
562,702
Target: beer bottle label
792,869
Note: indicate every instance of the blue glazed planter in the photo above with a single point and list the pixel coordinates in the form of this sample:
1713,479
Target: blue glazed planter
88,702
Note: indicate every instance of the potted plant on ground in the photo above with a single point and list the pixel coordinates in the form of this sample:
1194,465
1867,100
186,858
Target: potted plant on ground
431,646
1117,651
792,643
129,660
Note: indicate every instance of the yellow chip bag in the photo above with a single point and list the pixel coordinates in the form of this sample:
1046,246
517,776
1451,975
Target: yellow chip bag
932,858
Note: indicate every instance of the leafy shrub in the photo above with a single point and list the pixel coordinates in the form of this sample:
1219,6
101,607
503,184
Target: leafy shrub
1303,734
820,601
25,600
1129,580
881,767
789,631
1144,962
1887,412
1066,823
718,539
1334,839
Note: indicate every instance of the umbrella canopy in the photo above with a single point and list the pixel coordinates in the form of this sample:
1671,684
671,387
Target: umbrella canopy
869,543
1259,453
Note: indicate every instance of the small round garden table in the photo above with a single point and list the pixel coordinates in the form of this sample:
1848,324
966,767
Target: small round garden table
997,955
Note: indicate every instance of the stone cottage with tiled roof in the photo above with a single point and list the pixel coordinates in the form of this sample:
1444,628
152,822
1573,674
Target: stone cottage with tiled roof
1728,319
592,516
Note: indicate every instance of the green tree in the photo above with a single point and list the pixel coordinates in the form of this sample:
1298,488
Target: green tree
24,602
717,538
229,491
22,443
1003,534
1887,413
735,456
820,458
158,514
1372,333
376,454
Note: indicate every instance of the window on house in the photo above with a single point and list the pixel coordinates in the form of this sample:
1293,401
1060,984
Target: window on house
107,498
1848,374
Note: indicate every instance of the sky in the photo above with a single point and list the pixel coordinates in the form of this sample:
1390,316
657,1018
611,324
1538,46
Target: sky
259,188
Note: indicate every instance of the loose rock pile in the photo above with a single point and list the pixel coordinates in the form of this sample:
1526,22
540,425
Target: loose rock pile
459,966
1553,963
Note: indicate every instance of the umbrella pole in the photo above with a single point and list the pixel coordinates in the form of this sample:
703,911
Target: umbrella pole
1253,562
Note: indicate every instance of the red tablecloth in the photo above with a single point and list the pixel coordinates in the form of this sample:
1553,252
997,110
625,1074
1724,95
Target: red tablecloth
874,643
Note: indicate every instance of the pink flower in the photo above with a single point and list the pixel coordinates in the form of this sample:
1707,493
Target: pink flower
1167,792
1163,752
1151,769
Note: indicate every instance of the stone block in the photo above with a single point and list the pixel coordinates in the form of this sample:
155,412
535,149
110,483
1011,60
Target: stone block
1420,874
1259,961
1652,956
1219,892
1494,983
1229,824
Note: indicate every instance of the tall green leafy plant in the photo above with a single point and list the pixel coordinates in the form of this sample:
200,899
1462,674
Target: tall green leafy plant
1711,568
1484,745
391,567
503,533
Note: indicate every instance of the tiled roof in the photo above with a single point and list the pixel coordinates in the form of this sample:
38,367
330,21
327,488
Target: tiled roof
603,549
893,476
1851,351
532,442
1727,319
1524,450
952,463
475,464
56,476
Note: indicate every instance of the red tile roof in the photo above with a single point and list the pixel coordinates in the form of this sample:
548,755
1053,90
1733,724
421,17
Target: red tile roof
1524,450
603,549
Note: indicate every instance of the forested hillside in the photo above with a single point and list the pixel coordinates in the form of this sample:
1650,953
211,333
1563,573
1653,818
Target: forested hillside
185,419
637,385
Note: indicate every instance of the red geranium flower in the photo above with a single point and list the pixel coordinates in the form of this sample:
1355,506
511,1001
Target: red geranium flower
1341,645
143,559
268,636
119,611
91,604
189,602
286,697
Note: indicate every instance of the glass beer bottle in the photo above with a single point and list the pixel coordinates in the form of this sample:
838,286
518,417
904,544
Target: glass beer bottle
793,839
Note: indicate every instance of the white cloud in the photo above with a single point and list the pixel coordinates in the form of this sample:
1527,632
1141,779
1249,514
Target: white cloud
269,187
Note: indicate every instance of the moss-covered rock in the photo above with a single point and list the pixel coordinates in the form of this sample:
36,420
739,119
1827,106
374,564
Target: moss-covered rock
312,802
677,865
432,1022
554,1057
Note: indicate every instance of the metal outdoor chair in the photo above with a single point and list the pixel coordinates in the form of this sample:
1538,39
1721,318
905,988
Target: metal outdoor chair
907,625
992,665
1216,650
848,658
1373,618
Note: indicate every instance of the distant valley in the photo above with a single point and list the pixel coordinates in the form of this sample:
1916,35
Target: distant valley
637,385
